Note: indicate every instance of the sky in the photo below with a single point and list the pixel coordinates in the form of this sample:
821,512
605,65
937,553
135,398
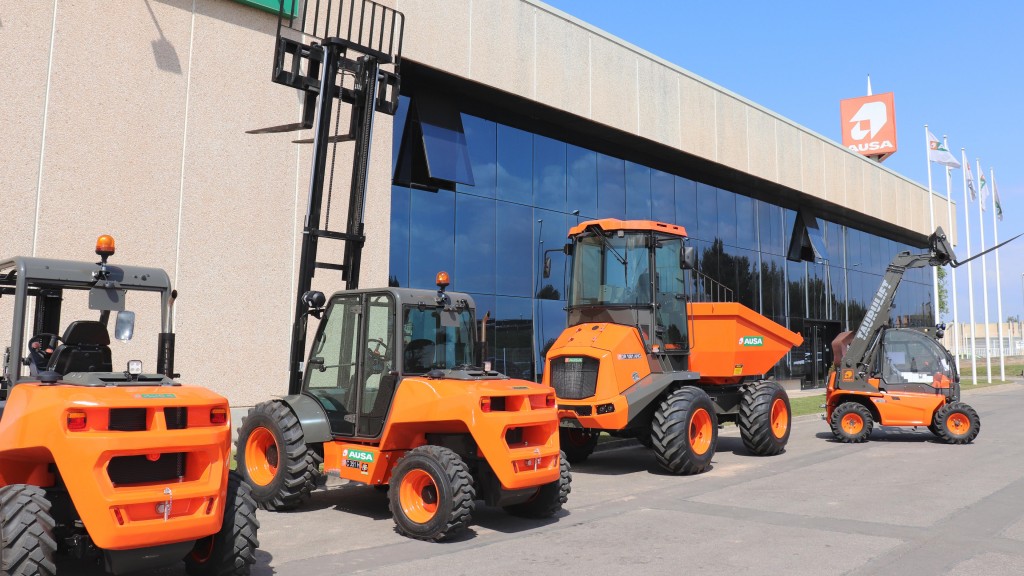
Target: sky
952,65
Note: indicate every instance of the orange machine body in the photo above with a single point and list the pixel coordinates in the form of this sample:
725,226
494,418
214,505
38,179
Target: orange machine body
35,442
897,405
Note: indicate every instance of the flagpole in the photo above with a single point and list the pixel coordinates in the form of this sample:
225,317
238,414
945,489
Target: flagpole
952,271
999,290
984,268
970,271
931,220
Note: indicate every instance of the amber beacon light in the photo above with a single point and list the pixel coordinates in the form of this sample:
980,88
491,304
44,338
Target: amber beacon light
105,245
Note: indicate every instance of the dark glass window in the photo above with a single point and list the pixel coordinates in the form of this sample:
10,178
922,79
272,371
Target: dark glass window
482,140
663,197
401,115
549,177
769,218
707,211
774,286
399,261
474,244
582,181
746,222
797,278
433,150
550,237
686,206
549,322
514,337
748,277
611,187
638,192
431,236
515,165
727,217
514,255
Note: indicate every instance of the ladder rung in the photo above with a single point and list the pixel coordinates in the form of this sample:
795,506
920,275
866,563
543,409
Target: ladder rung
338,235
329,266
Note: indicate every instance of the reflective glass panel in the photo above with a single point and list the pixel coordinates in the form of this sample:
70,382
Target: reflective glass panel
431,236
514,249
474,244
515,165
582,182
638,192
398,266
481,140
549,173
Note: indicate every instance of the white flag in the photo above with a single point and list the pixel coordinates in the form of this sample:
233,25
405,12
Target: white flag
938,153
999,206
984,191
970,181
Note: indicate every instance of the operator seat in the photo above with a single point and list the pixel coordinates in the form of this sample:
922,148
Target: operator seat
86,348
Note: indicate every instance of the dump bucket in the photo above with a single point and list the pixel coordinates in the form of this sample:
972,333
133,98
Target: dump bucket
729,341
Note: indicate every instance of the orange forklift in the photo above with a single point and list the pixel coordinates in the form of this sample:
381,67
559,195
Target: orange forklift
120,467
640,359
898,376
394,392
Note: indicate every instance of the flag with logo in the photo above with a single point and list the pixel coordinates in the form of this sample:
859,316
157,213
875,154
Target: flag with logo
970,181
995,196
984,190
938,153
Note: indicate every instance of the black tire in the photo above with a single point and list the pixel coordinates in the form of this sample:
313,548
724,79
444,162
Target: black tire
27,546
851,423
577,443
549,498
443,506
685,431
232,550
765,418
297,465
957,423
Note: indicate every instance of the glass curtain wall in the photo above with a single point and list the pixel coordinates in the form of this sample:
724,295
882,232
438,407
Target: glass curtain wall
530,189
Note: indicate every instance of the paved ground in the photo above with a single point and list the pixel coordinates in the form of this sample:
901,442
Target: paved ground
899,504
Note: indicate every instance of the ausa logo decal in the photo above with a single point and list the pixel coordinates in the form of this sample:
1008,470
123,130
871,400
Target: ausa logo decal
360,455
751,341
869,124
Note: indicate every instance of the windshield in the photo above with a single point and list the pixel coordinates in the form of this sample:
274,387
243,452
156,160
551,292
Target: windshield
436,339
913,357
611,270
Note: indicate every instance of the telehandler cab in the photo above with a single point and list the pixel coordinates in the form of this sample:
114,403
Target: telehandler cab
639,359
898,376
121,467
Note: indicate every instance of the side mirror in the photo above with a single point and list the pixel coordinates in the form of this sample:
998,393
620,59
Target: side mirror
687,258
124,325
314,301
547,266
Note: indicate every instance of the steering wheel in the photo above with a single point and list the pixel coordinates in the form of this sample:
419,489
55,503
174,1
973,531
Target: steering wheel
40,348
376,355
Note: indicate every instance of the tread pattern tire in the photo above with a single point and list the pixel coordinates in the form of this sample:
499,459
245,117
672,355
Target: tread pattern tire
455,493
670,431
577,444
233,550
27,545
948,436
298,470
755,418
849,409
550,497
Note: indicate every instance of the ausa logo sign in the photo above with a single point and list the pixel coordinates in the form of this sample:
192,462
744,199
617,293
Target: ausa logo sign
751,341
869,124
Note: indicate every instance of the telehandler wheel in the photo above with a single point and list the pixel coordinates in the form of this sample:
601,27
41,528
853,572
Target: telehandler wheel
27,547
549,498
851,423
685,431
765,418
274,459
578,444
431,494
957,423
232,550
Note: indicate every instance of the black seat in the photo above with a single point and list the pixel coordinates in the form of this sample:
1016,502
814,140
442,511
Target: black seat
86,348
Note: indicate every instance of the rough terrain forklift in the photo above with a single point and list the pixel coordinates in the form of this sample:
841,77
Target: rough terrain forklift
640,359
120,467
898,376
394,392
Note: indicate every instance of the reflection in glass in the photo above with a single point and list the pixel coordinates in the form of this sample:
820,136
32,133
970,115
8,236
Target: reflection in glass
515,247
638,192
611,187
514,338
727,217
482,139
746,222
474,244
582,181
686,206
550,237
399,256
707,211
663,201
549,174
431,236
515,165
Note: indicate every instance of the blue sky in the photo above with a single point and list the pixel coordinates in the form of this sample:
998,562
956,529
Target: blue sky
954,66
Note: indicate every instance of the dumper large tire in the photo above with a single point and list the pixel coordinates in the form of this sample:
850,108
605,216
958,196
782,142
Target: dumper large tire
577,443
957,423
274,459
232,550
431,494
685,431
851,423
765,418
549,498
27,546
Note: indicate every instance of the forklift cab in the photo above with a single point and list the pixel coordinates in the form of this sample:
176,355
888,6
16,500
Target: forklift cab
912,361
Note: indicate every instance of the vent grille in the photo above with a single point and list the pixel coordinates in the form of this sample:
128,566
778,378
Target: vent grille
574,377
177,418
127,419
141,470
581,410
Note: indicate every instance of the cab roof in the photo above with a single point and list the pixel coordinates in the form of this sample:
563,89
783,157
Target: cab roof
80,275
613,224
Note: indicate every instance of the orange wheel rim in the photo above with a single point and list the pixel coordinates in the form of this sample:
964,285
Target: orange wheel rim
203,550
261,456
418,496
700,431
780,418
958,424
852,423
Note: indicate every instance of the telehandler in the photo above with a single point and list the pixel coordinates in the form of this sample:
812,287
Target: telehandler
394,392
898,376
639,359
120,467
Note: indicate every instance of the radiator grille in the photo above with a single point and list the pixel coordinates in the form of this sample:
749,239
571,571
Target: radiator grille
127,419
140,469
574,377
581,410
